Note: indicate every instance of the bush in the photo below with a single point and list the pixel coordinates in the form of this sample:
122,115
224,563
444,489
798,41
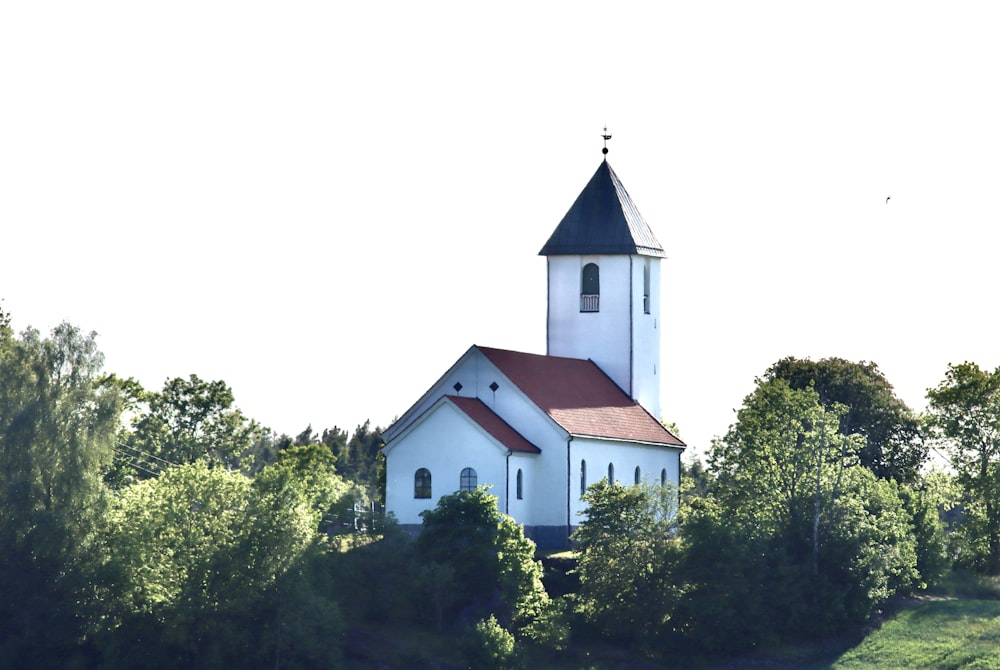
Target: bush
490,647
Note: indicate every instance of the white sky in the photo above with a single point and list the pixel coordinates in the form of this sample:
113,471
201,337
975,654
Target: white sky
326,203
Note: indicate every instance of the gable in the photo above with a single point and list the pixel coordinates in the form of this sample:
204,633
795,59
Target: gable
493,425
472,412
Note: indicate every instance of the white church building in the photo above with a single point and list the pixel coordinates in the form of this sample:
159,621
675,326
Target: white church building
540,429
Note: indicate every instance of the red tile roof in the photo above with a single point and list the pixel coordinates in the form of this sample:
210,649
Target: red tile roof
580,397
489,421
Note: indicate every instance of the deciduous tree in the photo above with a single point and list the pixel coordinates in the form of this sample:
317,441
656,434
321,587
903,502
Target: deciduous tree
964,410
193,419
627,551
892,447
58,418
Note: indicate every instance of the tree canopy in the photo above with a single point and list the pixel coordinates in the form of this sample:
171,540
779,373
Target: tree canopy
892,446
58,420
964,411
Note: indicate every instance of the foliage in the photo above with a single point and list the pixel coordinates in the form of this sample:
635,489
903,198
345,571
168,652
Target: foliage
466,541
627,549
722,577
310,472
820,541
192,419
359,458
964,411
922,505
892,447
382,582
775,462
58,418
490,647
198,554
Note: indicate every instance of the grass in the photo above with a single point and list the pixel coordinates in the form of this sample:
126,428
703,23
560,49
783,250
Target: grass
955,628
943,634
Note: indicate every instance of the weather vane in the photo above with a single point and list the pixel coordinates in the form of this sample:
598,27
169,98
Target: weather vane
606,136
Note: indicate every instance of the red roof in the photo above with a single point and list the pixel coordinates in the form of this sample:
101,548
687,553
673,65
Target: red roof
580,397
489,421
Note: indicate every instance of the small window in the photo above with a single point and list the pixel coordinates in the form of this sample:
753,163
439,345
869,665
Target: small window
638,475
611,473
422,483
645,287
590,288
467,481
583,478
520,485
663,477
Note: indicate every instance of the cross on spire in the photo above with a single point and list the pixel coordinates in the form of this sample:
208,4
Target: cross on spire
606,136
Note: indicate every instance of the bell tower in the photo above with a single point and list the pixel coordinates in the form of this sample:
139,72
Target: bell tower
603,288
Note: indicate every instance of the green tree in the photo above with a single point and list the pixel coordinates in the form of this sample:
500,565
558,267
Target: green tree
203,561
892,447
775,460
485,553
310,471
627,551
964,411
833,540
192,419
58,418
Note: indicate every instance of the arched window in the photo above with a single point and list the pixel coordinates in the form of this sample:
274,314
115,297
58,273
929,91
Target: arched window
583,478
611,473
520,484
590,288
663,477
467,481
422,483
638,475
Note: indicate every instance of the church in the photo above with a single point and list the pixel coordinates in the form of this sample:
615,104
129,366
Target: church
538,429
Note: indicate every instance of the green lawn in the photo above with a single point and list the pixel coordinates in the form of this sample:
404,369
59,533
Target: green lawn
944,634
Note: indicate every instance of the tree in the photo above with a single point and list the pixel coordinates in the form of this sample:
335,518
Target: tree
58,418
964,411
828,540
772,463
892,447
192,419
310,471
484,553
204,561
627,550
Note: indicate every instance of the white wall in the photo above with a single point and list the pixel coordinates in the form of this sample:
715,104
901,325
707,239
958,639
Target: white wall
444,441
546,503
651,460
646,331
604,336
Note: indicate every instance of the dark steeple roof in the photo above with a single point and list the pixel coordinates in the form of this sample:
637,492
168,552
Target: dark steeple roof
603,220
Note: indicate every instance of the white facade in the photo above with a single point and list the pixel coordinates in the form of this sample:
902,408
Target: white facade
620,330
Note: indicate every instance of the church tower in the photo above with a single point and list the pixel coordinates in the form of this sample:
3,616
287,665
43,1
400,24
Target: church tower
603,288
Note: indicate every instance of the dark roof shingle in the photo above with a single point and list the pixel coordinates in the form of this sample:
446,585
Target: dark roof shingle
603,220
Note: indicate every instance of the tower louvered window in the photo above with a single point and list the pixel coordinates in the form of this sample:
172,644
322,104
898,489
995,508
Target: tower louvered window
590,288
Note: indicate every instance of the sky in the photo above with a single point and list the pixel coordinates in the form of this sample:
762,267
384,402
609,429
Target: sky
325,204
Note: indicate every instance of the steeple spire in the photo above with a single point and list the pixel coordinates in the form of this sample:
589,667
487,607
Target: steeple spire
606,136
